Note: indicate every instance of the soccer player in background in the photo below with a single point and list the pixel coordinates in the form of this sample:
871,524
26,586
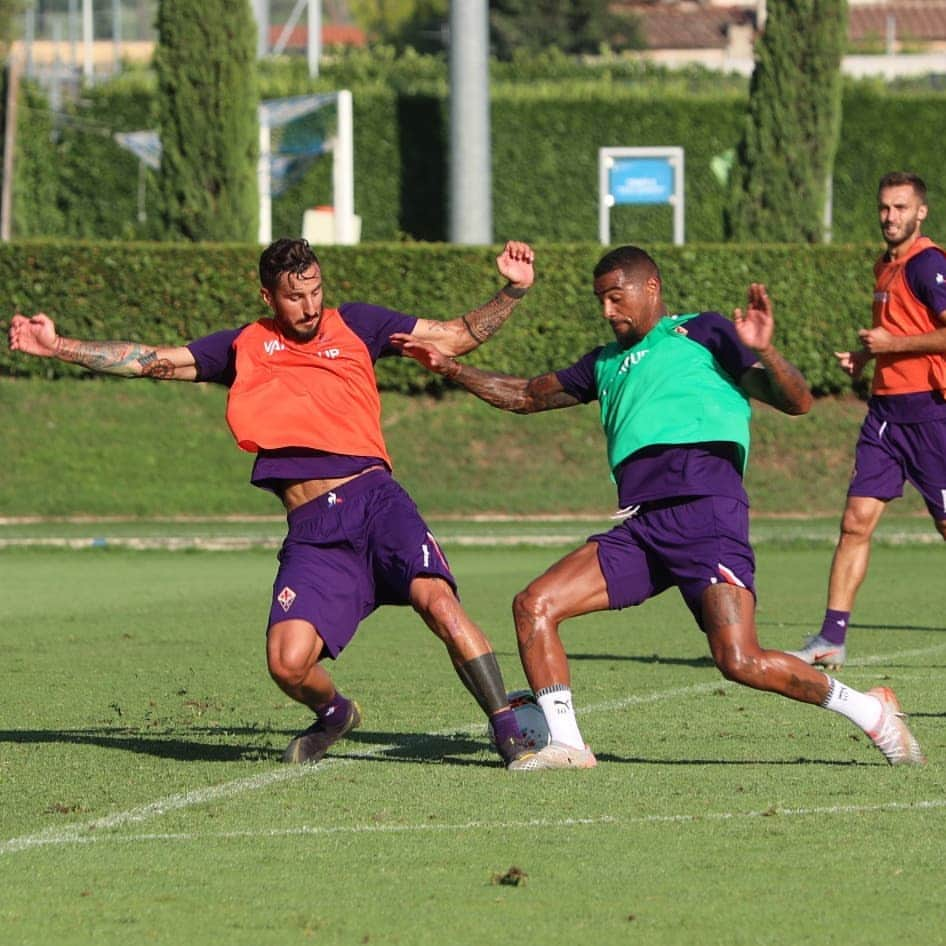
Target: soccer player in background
673,392
303,398
903,437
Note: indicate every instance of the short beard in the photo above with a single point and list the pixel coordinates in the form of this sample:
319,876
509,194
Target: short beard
293,334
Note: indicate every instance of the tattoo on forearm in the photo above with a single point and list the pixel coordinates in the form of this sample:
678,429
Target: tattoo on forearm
519,395
154,367
118,358
790,392
484,322
469,328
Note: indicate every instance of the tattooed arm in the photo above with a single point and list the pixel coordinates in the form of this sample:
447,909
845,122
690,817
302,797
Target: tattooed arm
519,395
773,379
458,336
37,336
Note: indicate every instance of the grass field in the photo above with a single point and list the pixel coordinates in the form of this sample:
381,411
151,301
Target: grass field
142,800
111,447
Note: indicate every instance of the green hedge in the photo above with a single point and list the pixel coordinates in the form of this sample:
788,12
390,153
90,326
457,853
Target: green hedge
545,135
170,293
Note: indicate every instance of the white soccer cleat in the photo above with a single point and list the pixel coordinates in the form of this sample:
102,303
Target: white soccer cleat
556,755
892,735
821,653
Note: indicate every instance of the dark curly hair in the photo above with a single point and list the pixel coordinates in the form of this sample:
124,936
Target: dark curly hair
284,256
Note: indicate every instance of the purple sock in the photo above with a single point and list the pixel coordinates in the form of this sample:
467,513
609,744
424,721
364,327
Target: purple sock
835,626
335,712
505,726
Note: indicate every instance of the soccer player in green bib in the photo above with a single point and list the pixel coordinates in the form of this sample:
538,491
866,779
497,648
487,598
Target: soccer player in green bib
674,396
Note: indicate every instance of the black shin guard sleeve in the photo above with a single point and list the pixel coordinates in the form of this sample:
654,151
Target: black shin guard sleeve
482,677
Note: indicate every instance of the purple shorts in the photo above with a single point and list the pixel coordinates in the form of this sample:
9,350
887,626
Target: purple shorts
690,543
889,454
348,552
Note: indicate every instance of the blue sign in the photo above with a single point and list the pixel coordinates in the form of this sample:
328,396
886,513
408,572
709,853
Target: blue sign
641,181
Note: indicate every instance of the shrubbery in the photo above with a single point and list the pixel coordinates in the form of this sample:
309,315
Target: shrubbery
550,114
170,293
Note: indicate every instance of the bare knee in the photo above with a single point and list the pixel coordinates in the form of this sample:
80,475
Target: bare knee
434,600
736,665
291,653
534,607
286,672
855,528
941,527
860,518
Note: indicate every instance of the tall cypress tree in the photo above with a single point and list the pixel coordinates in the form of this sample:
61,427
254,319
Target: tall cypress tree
573,26
779,183
208,99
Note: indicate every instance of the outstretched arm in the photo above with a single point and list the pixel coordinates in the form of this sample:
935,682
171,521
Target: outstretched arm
37,336
458,336
773,379
519,395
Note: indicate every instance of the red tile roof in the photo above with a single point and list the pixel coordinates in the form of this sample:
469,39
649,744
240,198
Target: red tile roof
666,27
912,21
333,34
688,25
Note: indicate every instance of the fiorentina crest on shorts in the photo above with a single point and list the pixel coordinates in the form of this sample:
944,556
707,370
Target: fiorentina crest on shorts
286,597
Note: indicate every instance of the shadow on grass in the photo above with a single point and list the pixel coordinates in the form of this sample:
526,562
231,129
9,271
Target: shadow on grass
423,748
854,627
396,747
642,760
419,748
130,741
700,662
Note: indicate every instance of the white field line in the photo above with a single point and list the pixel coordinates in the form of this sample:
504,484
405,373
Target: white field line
530,825
84,832
219,543
225,543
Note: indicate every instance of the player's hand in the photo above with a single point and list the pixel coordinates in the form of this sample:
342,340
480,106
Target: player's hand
33,336
431,357
852,362
515,263
756,325
877,341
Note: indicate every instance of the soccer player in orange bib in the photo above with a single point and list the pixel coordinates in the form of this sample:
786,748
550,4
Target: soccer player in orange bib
903,437
303,398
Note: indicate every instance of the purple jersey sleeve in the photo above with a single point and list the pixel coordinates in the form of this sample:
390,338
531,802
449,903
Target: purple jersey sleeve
926,276
710,329
216,361
374,325
578,379
717,334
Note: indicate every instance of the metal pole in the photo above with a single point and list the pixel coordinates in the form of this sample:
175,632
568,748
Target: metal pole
679,209
471,207
343,172
261,13
74,33
88,36
29,35
264,182
9,147
605,198
314,46
117,34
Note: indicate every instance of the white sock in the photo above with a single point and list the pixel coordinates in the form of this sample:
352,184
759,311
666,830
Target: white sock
556,704
862,709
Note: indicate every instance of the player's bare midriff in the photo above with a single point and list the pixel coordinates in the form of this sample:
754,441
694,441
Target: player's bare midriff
299,492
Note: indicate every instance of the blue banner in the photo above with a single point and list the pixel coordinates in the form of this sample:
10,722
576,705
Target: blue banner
641,181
